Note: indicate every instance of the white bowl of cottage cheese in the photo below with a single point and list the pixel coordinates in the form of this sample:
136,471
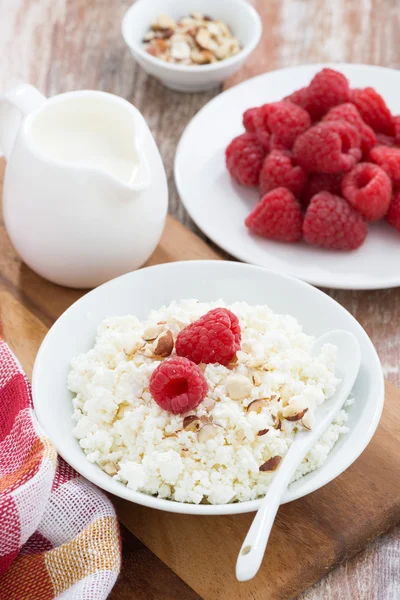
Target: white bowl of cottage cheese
201,428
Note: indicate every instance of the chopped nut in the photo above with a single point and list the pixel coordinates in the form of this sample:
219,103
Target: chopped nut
111,468
256,380
209,431
277,422
208,404
205,41
240,436
180,50
164,22
165,34
149,36
262,432
306,421
238,386
191,423
292,413
131,349
272,464
206,419
256,405
165,345
151,333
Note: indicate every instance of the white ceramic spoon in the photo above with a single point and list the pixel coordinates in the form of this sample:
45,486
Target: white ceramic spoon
347,367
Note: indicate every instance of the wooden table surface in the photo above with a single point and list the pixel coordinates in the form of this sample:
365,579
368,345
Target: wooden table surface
61,45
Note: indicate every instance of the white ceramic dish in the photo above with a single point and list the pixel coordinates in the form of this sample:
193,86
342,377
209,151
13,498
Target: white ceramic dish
219,206
137,293
238,14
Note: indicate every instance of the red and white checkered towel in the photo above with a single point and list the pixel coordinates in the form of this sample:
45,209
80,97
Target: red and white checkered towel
59,535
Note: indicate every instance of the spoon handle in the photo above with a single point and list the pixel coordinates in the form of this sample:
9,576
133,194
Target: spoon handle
252,551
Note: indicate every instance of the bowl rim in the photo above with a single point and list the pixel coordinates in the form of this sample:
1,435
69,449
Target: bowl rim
84,468
137,49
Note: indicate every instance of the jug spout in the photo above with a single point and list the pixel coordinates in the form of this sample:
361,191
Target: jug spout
14,106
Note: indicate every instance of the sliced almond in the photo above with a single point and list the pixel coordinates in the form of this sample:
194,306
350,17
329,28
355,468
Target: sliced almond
165,344
208,432
306,421
170,435
149,36
256,380
192,423
292,413
205,41
164,22
208,404
256,405
277,422
206,419
234,360
165,34
262,432
180,50
151,333
111,468
271,464
240,435
238,386
130,350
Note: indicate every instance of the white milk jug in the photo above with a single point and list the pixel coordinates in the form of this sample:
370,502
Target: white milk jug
85,194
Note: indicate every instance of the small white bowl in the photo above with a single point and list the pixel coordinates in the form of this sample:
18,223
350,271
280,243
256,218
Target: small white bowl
238,14
139,292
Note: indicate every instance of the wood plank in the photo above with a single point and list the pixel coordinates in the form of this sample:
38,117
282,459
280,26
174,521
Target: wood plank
145,577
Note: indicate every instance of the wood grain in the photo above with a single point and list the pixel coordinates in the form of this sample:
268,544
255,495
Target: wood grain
59,45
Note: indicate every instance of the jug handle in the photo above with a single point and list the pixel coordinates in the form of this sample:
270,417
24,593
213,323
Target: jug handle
14,106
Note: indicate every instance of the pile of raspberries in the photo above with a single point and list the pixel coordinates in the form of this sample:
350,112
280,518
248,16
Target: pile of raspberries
326,160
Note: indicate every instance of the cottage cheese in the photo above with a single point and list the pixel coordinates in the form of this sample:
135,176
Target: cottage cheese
122,429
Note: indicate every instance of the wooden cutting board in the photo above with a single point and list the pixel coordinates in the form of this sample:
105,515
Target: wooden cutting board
310,536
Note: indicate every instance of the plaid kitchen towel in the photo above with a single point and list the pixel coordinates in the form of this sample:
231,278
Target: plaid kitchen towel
59,535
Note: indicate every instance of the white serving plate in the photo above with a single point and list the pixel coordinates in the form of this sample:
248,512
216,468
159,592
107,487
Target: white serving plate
139,292
219,206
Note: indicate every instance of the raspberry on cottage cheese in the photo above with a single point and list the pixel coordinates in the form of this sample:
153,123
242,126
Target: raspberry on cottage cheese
227,448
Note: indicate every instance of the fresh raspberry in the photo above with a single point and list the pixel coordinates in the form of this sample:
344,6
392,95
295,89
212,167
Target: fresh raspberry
277,217
321,182
327,89
396,125
393,214
255,121
389,160
244,158
264,138
385,140
299,97
286,121
373,110
178,385
368,189
349,113
250,119
331,222
331,147
279,170
214,338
